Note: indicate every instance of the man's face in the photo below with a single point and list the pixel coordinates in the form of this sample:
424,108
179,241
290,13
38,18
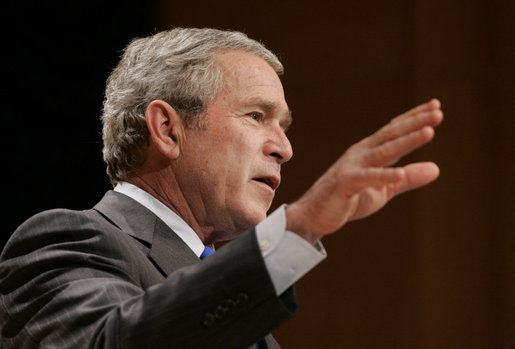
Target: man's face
231,166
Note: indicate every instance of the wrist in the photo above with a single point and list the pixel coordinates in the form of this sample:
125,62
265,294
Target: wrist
297,223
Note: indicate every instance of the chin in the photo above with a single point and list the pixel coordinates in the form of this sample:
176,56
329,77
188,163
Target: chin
257,214
249,217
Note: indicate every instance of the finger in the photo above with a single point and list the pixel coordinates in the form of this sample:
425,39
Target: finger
355,180
433,104
390,152
404,127
415,176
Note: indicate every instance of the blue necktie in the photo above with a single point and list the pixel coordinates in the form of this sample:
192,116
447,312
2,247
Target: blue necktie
208,251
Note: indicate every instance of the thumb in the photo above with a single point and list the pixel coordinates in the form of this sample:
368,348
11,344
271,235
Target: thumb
416,175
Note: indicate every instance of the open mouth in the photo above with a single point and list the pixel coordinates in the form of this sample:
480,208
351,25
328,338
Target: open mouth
272,182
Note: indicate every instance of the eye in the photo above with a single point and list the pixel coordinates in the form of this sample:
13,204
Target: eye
256,116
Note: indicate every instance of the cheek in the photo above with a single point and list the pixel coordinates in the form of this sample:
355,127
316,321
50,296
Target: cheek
227,156
238,175
237,150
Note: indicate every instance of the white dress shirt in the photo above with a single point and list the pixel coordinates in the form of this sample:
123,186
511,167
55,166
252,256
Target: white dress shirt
287,256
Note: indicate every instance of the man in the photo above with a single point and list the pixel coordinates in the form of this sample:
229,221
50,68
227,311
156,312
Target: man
194,128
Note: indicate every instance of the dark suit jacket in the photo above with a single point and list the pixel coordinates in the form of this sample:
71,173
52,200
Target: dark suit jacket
117,277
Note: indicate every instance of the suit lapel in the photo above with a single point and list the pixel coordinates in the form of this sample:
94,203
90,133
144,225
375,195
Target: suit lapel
168,252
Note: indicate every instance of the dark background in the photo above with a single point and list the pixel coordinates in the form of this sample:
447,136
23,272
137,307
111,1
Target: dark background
434,269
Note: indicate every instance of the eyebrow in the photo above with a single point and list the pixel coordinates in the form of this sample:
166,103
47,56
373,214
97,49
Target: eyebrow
269,107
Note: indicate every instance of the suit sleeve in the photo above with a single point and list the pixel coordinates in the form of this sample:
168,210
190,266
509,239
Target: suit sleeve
67,283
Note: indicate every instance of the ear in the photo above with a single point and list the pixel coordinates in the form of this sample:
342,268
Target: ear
166,128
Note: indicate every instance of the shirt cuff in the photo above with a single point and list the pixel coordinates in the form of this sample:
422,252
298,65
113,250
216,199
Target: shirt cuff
287,256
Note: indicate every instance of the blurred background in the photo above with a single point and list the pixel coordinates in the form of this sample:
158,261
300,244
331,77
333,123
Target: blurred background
435,268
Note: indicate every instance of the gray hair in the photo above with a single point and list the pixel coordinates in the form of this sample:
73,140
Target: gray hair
177,66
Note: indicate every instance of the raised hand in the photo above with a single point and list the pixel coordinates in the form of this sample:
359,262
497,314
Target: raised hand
362,180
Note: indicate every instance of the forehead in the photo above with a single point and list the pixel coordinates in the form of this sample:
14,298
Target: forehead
251,81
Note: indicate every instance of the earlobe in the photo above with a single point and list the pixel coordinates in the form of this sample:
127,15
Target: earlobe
165,127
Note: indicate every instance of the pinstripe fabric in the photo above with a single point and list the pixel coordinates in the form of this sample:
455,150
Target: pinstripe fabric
118,277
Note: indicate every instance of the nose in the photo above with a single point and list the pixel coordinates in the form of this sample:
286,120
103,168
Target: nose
278,146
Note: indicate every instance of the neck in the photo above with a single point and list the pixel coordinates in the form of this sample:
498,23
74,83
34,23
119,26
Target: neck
166,189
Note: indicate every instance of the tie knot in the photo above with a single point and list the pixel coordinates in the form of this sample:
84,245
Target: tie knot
208,251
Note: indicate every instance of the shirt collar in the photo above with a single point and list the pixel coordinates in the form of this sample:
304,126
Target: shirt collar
170,218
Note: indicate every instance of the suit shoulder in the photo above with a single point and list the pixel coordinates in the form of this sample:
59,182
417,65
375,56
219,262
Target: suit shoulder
56,226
